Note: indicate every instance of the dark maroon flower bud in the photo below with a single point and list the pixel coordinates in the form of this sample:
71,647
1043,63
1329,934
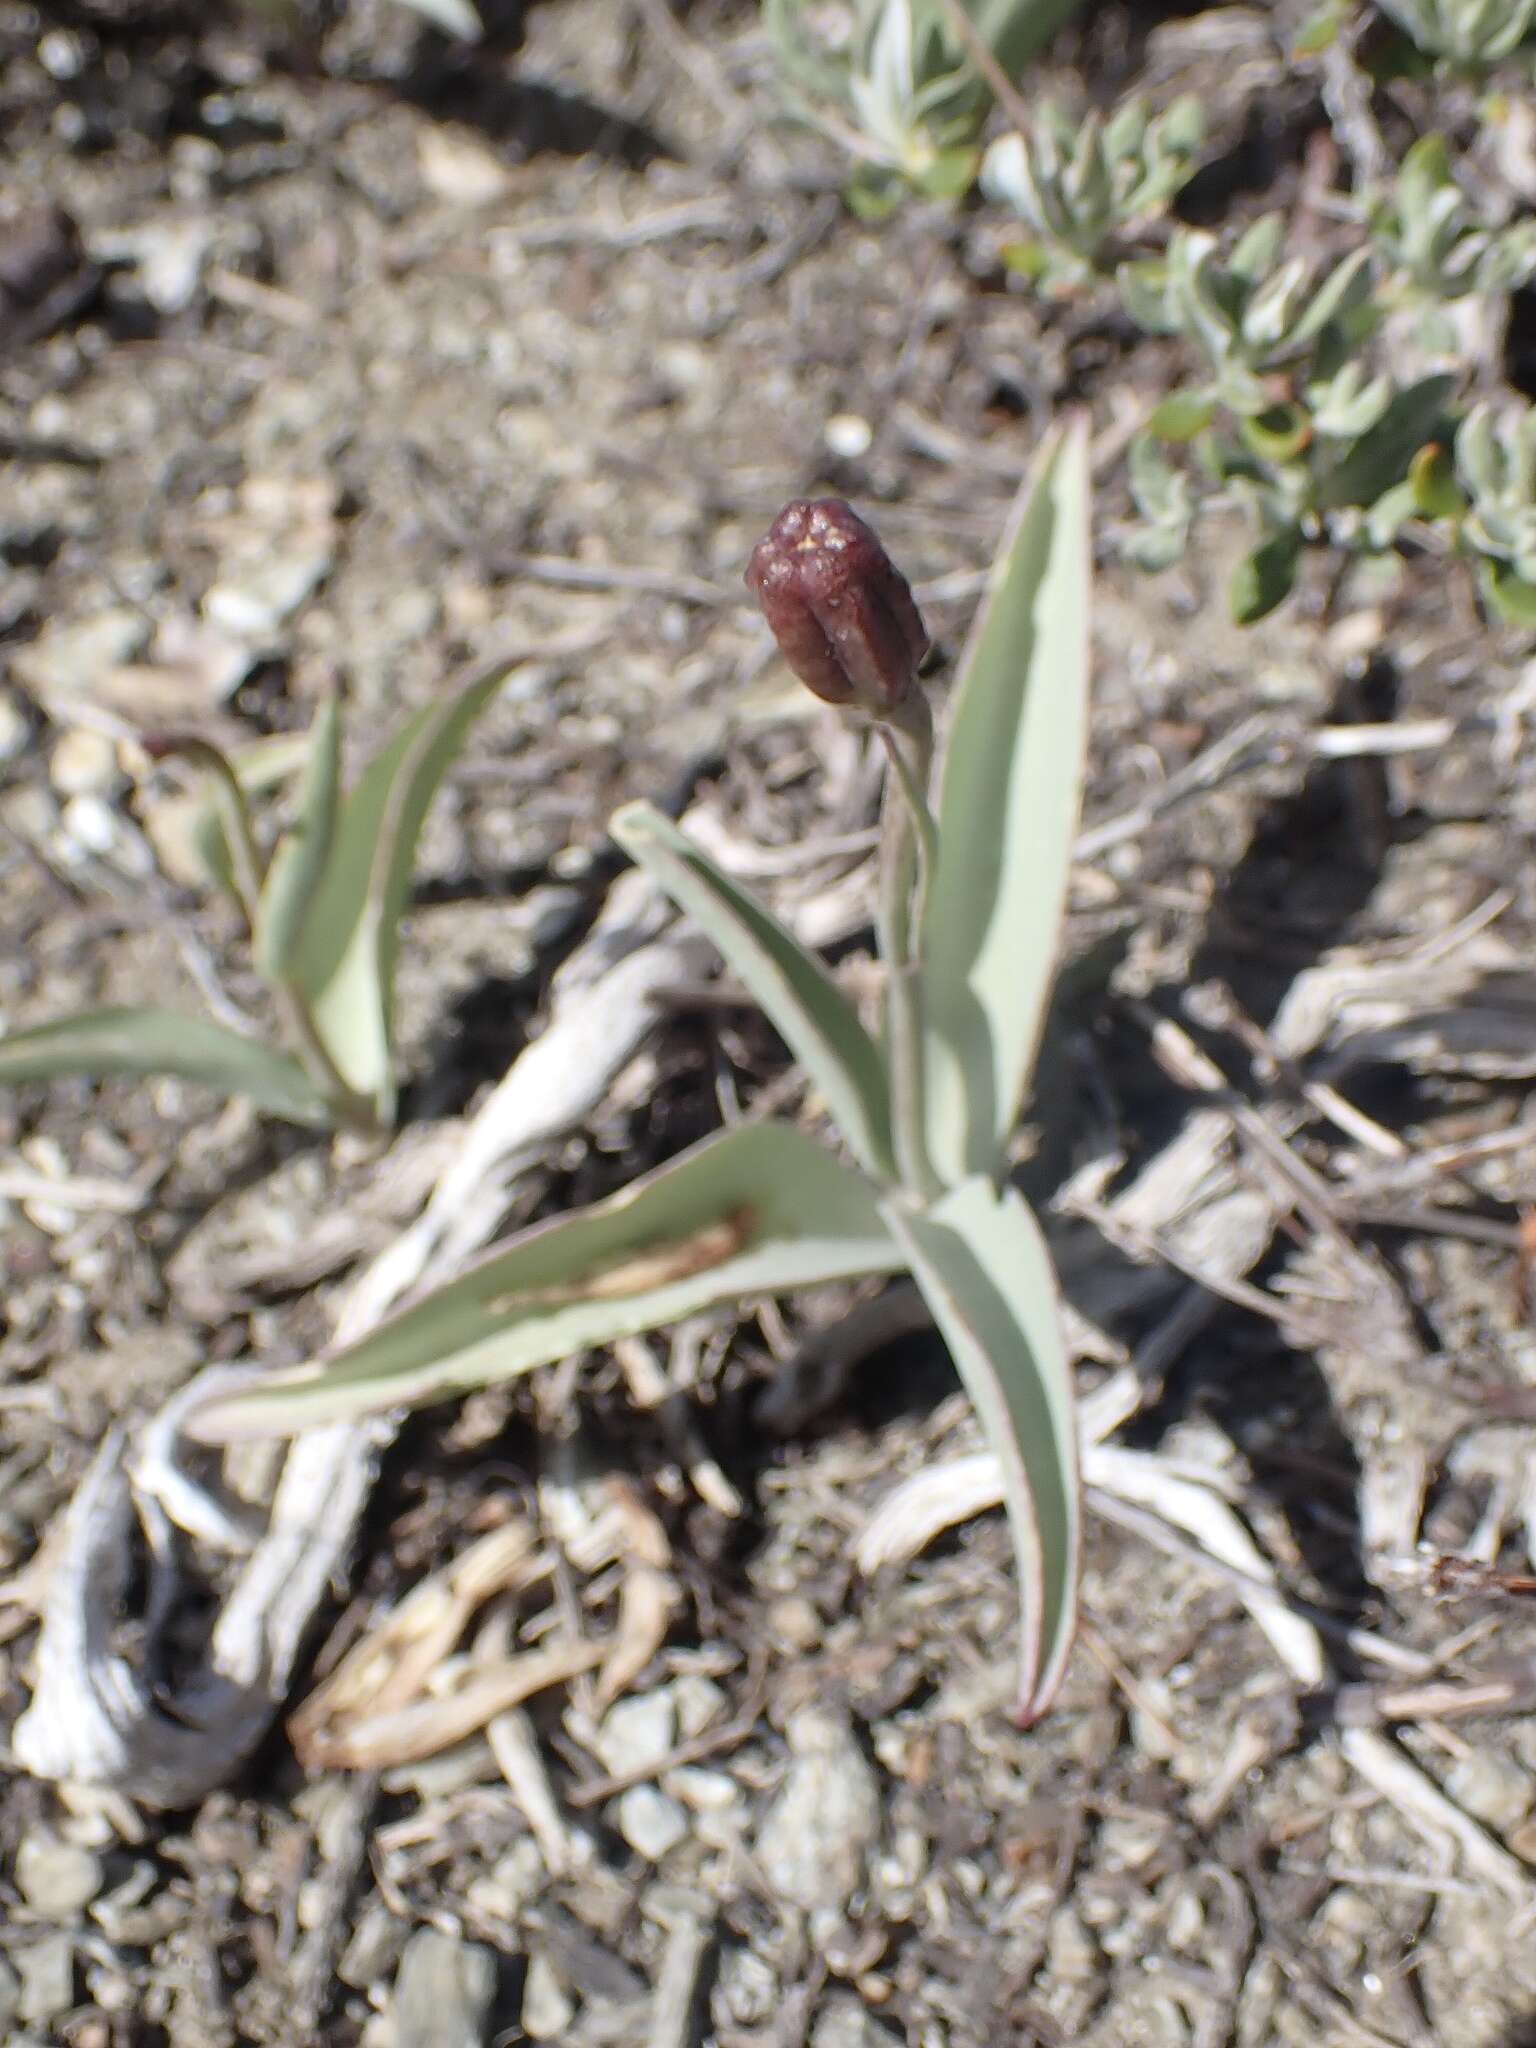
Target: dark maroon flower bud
840,609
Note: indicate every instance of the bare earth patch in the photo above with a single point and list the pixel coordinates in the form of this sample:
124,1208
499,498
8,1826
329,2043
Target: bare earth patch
373,357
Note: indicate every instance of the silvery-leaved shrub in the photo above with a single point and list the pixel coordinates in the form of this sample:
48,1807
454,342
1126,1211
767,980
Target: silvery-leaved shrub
1495,469
1290,423
1257,314
1081,188
1465,33
1433,244
895,84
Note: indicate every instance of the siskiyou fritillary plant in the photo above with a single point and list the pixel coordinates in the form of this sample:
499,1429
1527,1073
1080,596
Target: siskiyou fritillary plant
322,906
972,875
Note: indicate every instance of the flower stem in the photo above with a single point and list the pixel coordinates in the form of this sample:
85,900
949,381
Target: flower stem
907,844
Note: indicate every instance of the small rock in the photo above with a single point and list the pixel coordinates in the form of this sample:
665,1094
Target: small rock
825,1818
91,826
375,1947
15,732
548,2008
312,1905
171,258
253,600
650,1822
444,1991
192,665
61,664
168,255
684,364
796,1622
1131,1840
705,1791
1072,1953
47,1972
410,613
455,168
512,1884
1493,1789
699,1702
637,1733
843,2023
84,763
56,1879
750,1992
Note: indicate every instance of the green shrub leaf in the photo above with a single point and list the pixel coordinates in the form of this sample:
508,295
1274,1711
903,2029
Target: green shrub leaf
1181,416
1509,596
1264,578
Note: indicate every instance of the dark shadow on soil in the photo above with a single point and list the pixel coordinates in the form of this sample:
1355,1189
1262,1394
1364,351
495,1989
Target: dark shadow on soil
1310,868
142,70
1273,142
474,1045
1520,342
526,117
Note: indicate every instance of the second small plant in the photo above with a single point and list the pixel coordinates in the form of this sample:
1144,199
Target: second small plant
970,896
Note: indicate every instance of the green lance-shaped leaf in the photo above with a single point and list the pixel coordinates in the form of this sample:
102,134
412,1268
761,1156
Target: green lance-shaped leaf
983,1268
1382,456
815,1019
261,766
1147,295
1265,577
1008,806
344,962
298,862
144,1041
1432,481
1181,416
1347,286
760,1209
1509,596
1258,249
1278,434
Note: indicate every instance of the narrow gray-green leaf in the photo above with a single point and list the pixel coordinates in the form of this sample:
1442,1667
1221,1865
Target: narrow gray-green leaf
261,766
756,1210
1008,806
135,1041
805,1005
345,959
298,862
983,1268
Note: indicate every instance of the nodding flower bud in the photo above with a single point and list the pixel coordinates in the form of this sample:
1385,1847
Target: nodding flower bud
840,609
